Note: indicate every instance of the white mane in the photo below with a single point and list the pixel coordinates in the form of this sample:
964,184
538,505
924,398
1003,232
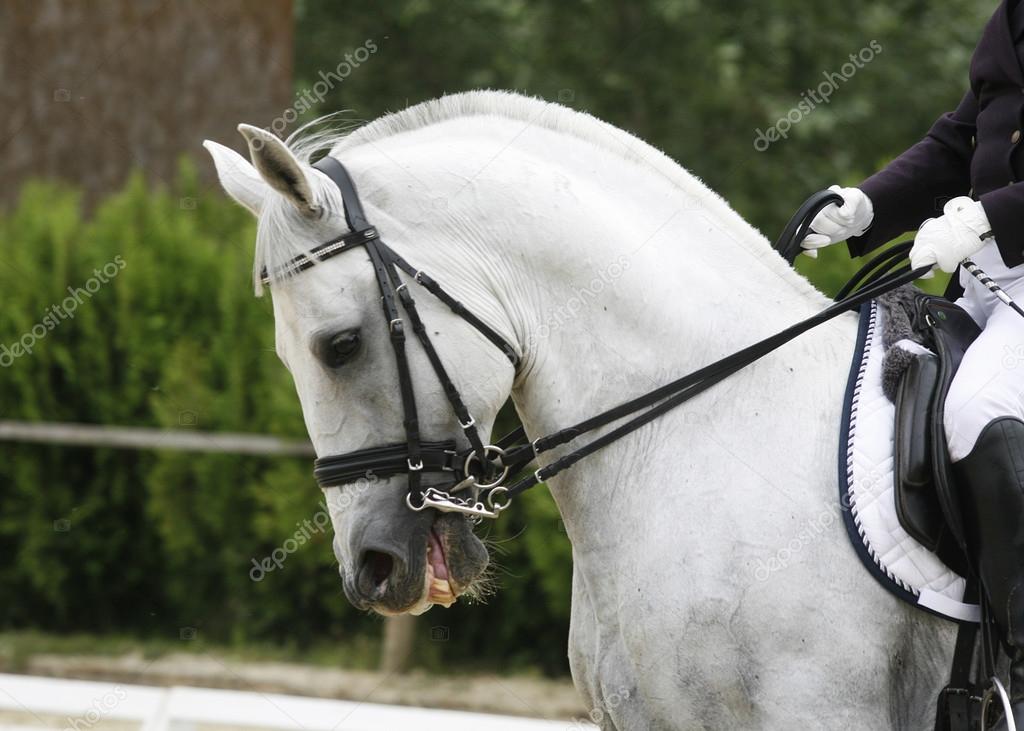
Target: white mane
312,138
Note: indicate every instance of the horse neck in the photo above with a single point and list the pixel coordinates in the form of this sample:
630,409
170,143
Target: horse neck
616,307
611,279
611,308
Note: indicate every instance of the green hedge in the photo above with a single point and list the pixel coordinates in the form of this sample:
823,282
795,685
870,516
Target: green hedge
148,543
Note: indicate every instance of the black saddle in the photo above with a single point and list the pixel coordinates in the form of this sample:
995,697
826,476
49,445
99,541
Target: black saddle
926,499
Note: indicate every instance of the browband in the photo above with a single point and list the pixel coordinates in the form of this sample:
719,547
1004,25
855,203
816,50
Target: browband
324,251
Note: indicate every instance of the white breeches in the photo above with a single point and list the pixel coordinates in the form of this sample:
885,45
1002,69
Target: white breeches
990,383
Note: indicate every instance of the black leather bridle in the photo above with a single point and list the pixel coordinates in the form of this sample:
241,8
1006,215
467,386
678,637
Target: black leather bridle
483,468
475,467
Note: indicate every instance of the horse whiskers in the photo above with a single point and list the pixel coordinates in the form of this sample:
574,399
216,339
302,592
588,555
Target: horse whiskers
495,542
499,547
485,586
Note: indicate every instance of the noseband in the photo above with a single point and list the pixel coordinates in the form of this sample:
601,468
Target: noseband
482,469
479,467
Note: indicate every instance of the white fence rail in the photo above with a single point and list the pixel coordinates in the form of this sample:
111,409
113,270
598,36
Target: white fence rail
123,437
82,705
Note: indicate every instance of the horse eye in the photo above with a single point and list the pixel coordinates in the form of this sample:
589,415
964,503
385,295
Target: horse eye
340,348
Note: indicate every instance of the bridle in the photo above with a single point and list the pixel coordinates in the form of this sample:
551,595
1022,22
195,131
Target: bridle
483,470
473,468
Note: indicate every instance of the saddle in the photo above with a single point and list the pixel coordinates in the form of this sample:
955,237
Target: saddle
927,504
900,501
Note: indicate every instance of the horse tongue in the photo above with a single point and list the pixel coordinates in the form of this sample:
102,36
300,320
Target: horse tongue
435,554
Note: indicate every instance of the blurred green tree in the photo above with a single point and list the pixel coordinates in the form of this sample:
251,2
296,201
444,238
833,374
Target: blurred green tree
155,543
695,78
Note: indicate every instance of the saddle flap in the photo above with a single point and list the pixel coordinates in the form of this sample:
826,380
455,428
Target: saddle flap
917,508
926,503
952,331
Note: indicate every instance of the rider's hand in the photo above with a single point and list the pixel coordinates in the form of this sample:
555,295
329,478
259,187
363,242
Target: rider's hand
952,237
835,223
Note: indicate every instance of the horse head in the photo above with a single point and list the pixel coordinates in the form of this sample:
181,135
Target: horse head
337,341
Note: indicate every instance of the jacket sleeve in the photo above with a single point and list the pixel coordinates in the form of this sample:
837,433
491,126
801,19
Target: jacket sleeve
1005,210
916,185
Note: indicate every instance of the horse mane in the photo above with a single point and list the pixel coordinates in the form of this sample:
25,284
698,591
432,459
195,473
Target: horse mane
324,134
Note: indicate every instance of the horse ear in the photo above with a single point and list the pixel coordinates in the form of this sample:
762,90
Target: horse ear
279,167
239,178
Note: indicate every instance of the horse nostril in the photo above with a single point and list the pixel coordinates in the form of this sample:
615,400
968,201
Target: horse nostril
380,565
375,570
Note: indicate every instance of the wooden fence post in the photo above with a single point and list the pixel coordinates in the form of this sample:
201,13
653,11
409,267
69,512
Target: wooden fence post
399,638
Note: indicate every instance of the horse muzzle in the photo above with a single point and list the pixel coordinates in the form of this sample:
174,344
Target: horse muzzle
435,568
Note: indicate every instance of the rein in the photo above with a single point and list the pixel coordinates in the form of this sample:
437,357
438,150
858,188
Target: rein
484,470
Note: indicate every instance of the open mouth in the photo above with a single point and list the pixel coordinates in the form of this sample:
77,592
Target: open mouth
439,586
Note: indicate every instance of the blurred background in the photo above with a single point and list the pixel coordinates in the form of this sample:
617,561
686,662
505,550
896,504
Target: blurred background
125,280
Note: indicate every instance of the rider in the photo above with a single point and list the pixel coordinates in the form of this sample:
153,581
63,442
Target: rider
966,177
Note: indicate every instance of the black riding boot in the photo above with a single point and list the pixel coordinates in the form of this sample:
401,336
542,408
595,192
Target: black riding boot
991,483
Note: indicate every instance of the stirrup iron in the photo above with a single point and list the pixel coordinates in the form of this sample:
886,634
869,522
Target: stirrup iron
997,690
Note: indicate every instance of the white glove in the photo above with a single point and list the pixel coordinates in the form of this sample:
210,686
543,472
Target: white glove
953,237
835,223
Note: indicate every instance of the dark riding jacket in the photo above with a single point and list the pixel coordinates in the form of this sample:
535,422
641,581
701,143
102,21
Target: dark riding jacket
974,150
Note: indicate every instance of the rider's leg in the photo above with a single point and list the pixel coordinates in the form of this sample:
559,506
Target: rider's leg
989,384
975,309
985,427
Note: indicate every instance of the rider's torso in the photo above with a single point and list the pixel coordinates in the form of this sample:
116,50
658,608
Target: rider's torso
997,80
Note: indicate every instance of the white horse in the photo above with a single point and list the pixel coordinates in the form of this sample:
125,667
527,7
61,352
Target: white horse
611,270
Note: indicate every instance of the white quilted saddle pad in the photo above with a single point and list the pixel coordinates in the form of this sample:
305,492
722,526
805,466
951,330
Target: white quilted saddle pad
867,489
